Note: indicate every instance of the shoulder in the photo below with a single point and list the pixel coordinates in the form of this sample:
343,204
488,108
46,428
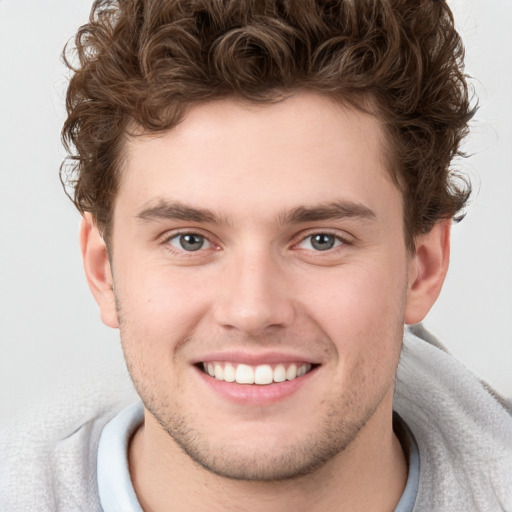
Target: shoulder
49,451
463,429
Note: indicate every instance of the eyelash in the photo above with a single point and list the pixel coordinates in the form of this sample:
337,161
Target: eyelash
176,236
338,241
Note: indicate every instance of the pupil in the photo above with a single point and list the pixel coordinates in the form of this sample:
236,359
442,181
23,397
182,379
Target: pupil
322,242
191,242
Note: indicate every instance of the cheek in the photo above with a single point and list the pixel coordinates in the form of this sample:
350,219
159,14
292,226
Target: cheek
160,298
361,310
157,317
158,314
358,297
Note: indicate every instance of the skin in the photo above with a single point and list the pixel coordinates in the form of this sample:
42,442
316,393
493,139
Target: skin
255,184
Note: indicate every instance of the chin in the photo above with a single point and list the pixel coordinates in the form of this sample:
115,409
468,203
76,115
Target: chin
260,453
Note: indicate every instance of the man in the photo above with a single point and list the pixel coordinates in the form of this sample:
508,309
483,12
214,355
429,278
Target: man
267,202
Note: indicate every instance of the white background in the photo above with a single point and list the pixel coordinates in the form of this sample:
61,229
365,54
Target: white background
50,332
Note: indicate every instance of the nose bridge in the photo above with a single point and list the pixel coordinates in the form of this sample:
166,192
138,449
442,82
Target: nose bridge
255,295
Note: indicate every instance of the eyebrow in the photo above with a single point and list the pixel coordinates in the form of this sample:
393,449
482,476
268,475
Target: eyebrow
330,211
165,210
175,210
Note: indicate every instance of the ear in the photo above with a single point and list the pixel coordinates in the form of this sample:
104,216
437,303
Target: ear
427,270
97,270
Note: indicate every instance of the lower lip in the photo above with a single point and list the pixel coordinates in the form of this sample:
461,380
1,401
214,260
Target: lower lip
256,394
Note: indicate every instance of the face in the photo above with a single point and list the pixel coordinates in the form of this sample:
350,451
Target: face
261,280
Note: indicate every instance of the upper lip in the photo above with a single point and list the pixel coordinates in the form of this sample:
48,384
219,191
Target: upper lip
254,358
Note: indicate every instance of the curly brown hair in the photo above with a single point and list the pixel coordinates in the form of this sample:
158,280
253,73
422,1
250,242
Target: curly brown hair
145,62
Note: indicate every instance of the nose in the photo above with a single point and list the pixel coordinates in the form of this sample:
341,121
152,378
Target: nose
254,296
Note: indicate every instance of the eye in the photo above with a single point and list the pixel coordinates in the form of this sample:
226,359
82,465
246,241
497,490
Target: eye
320,242
189,242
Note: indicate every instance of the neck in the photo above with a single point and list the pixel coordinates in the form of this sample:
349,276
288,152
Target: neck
369,475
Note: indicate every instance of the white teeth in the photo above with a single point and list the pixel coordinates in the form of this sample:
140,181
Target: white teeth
219,372
262,374
229,373
301,370
279,373
244,374
291,373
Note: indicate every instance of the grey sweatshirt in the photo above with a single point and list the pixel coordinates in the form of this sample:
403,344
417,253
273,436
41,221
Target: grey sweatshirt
463,431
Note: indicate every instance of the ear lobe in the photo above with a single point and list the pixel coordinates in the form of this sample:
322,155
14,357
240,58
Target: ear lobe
97,270
427,271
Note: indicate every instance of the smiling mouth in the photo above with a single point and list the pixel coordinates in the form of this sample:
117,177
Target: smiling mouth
262,374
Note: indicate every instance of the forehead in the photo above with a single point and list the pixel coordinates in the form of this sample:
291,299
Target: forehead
303,150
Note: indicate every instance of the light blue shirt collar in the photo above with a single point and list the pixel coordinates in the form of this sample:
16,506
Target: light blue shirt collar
114,483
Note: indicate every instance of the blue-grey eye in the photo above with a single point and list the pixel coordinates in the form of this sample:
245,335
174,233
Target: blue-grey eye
320,242
189,242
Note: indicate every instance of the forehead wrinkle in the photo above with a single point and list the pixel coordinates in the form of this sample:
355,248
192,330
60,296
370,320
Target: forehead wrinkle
163,209
328,211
